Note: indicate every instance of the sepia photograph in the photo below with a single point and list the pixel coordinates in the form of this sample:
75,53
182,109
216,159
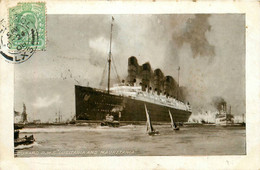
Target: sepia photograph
128,84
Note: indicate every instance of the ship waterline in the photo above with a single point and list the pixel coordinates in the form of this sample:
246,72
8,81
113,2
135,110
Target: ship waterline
93,104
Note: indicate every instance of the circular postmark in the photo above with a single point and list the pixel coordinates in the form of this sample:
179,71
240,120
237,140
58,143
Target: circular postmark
19,42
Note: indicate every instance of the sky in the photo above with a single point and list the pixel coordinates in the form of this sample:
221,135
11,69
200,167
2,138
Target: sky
210,50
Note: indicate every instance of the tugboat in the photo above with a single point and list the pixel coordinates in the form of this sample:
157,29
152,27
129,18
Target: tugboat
109,121
223,118
173,124
150,130
21,141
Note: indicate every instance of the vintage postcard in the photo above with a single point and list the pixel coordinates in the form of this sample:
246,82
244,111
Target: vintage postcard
85,81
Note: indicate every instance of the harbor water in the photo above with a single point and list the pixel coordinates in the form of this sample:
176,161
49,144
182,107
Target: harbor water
132,140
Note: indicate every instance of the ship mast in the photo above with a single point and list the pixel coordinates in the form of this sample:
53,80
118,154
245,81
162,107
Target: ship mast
178,83
109,57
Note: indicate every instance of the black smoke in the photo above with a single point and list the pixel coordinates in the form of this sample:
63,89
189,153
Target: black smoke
218,102
195,35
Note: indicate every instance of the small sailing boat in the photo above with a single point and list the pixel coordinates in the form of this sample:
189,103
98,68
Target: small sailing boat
173,124
150,130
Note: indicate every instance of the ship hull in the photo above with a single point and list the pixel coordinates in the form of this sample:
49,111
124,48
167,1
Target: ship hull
92,104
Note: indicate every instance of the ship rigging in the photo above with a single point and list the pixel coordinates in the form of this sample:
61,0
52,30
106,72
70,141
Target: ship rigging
110,63
109,57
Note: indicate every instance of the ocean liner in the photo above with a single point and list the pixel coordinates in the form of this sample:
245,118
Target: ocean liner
126,101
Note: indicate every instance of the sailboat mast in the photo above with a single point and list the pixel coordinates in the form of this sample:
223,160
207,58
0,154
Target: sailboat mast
109,57
178,82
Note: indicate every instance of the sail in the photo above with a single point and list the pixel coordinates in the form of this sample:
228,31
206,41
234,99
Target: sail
172,123
149,124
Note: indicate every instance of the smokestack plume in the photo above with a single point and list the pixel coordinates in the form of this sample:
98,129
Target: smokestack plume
219,103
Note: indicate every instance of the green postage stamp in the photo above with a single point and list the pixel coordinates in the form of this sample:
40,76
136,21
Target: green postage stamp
27,26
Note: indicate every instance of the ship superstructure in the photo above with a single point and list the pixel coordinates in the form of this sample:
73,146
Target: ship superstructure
136,92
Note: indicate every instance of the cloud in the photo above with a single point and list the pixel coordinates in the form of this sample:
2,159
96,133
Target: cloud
42,102
98,44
